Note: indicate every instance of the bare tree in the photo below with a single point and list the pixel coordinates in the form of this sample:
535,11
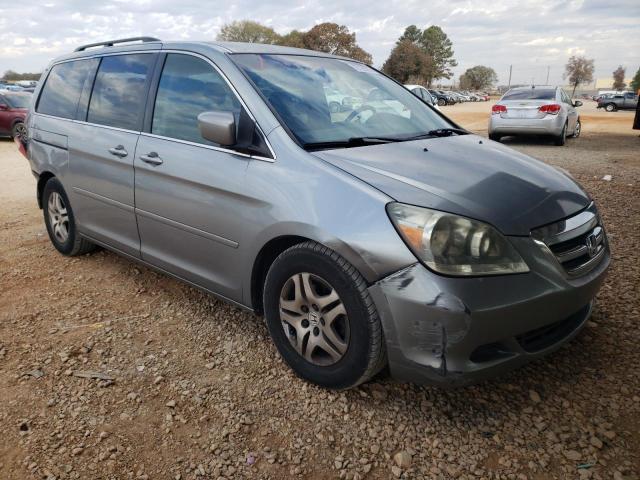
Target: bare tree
578,70
618,78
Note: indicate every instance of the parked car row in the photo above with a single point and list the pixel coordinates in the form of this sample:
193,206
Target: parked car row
15,87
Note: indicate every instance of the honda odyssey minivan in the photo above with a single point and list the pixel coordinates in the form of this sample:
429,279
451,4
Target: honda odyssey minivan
380,235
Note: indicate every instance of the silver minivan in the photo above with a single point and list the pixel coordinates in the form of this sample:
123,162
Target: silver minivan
378,234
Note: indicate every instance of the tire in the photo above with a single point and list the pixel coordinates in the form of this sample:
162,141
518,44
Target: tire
577,129
60,221
293,285
334,107
441,102
494,137
561,139
610,107
19,130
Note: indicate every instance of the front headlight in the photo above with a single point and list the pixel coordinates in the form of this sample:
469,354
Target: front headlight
455,245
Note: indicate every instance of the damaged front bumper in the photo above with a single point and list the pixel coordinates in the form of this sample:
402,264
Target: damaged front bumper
456,331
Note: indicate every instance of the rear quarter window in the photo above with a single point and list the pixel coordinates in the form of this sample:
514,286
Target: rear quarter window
62,88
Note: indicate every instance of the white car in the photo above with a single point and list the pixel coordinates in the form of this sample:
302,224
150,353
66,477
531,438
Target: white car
421,92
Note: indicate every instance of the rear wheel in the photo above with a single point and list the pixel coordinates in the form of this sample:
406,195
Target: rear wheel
321,317
334,107
60,222
19,130
562,138
494,137
610,107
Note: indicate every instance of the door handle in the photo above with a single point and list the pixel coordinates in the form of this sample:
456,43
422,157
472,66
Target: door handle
152,158
118,151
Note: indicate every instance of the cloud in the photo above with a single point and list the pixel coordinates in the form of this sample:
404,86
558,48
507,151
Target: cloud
531,35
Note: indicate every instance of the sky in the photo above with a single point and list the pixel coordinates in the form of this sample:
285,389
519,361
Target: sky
532,36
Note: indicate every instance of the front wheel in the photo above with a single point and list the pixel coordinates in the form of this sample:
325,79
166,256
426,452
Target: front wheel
577,129
60,221
321,317
441,102
610,107
494,137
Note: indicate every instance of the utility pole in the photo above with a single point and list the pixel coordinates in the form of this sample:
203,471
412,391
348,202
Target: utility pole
510,68
548,68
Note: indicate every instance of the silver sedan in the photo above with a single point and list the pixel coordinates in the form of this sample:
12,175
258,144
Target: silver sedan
536,110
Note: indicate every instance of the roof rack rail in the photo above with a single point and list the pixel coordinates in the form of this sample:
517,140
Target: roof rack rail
111,43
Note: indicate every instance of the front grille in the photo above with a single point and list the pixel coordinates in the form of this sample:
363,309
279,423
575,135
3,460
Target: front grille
544,337
578,243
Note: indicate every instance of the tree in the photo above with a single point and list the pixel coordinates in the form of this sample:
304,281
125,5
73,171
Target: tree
578,70
407,60
11,76
635,83
325,37
618,78
295,38
478,77
248,31
335,39
438,47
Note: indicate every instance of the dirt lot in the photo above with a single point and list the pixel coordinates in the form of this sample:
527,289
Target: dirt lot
195,389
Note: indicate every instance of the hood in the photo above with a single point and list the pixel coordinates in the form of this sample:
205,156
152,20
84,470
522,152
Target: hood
467,175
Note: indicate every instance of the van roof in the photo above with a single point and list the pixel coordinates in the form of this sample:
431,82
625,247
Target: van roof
148,43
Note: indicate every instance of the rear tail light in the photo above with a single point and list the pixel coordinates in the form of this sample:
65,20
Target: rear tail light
552,109
497,109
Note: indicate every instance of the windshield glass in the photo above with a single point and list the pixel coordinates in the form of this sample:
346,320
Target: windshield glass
325,100
18,100
531,94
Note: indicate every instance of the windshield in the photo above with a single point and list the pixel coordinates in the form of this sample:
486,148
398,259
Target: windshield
18,100
530,94
329,100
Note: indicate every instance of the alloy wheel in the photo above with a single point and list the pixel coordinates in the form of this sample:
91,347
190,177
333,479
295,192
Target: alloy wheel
20,131
58,217
314,319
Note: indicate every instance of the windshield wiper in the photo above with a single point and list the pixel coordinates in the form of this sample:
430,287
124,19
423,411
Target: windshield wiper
350,142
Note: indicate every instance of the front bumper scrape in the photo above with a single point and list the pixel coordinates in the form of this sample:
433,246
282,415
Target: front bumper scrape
457,331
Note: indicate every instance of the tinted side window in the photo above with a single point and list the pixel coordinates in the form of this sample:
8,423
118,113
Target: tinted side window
119,92
61,91
189,86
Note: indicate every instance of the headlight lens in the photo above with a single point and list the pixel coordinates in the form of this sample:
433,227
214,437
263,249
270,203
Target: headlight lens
455,245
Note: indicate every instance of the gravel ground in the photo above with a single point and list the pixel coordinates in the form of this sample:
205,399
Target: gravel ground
182,386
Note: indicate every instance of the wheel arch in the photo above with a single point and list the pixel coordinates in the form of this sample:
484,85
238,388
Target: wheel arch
42,181
266,256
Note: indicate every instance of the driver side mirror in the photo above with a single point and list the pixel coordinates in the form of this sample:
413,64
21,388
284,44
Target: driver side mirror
218,127
4,106
577,103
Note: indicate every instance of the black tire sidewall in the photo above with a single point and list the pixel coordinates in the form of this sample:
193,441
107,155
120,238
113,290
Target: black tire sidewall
350,368
54,185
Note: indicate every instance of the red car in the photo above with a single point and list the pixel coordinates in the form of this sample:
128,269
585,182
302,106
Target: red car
13,110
